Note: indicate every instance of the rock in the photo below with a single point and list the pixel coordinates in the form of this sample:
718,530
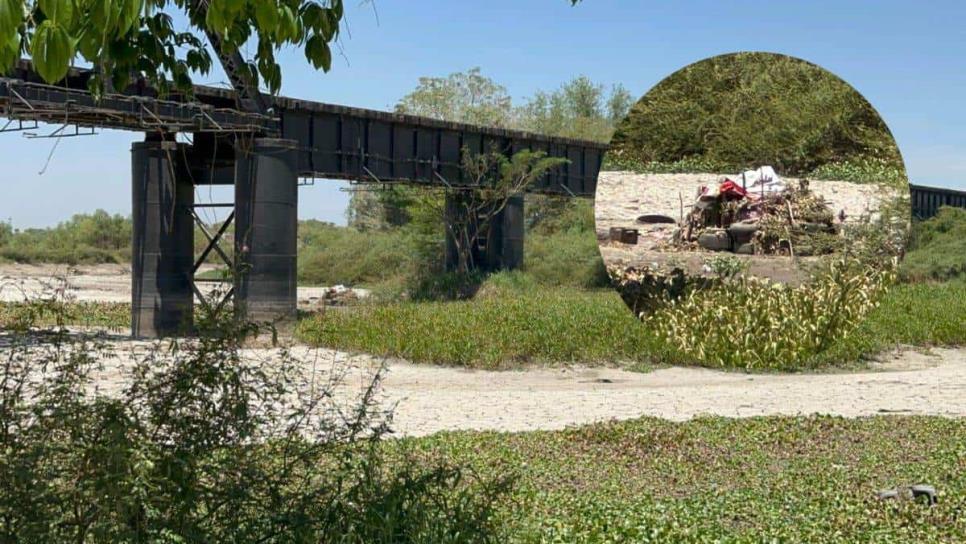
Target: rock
745,249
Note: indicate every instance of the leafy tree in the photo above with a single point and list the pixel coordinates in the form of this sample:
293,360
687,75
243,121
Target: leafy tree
500,177
578,109
101,230
124,37
6,233
466,97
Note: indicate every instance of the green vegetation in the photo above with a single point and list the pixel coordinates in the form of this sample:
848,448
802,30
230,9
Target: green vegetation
114,316
330,255
774,479
512,321
199,442
742,322
561,308
735,111
938,248
86,238
579,108
136,38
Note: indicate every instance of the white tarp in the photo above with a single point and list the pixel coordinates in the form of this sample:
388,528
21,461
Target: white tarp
760,180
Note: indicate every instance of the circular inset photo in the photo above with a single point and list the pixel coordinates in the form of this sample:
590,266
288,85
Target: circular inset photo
751,174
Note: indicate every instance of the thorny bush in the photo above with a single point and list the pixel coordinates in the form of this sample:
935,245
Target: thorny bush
204,441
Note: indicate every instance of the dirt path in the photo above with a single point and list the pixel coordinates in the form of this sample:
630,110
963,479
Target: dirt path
428,399
104,283
436,399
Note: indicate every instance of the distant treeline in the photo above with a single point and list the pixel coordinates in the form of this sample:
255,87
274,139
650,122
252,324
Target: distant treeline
747,109
86,238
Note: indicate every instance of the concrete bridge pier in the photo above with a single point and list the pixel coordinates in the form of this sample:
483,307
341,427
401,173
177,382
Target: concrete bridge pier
266,228
500,248
162,248
504,243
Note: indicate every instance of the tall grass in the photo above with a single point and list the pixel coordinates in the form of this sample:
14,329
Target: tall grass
331,255
511,322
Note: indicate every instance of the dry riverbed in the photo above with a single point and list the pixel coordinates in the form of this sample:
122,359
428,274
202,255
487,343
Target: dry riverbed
112,283
622,197
429,399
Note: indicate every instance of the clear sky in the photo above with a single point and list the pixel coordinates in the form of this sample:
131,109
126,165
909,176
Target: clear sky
908,58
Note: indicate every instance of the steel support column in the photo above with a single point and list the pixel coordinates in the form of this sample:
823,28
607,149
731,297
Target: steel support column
504,242
266,226
500,248
162,240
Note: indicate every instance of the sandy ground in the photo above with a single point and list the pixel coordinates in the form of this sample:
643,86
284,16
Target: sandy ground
624,196
435,399
429,399
102,283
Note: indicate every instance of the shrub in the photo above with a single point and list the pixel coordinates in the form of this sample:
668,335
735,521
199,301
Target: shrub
754,324
330,255
746,109
864,169
937,251
205,442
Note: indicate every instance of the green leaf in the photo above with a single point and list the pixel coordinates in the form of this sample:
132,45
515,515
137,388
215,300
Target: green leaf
217,17
267,16
58,11
331,25
318,53
102,14
89,45
52,50
288,27
11,15
129,14
9,50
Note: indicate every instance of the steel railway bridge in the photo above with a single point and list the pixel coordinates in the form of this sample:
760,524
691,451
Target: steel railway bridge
263,145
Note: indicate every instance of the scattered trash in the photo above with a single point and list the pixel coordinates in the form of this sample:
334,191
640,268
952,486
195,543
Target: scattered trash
624,235
914,492
653,219
756,213
338,295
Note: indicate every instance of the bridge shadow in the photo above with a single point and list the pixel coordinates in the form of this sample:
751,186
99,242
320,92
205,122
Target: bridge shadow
51,336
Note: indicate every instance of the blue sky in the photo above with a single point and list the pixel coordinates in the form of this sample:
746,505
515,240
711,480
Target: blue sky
907,58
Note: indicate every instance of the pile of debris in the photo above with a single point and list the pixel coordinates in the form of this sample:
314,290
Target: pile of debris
755,213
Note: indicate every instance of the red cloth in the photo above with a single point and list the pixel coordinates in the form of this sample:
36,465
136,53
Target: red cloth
730,190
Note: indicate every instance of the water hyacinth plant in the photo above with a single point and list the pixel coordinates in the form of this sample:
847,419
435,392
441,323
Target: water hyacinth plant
747,322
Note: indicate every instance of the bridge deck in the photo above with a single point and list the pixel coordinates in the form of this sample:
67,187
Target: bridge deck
334,141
